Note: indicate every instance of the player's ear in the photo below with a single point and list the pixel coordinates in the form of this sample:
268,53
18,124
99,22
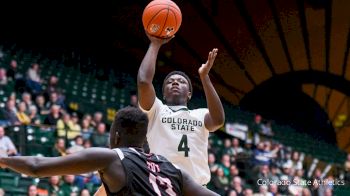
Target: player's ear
117,138
189,95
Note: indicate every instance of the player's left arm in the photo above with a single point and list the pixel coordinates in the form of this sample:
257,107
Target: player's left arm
216,116
84,161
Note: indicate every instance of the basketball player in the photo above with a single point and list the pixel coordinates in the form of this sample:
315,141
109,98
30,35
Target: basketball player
124,170
174,131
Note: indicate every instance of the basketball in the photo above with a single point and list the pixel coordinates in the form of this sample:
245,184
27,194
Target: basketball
161,18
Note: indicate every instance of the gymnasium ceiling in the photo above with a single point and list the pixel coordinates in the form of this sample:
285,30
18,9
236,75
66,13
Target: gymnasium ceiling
258,41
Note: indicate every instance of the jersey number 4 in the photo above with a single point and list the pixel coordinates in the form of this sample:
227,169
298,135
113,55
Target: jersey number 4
183,146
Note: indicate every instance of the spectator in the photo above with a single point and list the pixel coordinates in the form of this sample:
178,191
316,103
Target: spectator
84,192
54,100
66,128
69,187
235,149
2,192
225,164
32,190
100,139
273,188
59,148
86,130
10,113
21,114
236,185
220,182
33,79
53,116
27,99
248,192
40,104
77,145
12,70
98,116
212,164
6,144
55,186
33,115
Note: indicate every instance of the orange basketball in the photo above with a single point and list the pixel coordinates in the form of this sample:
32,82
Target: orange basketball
161,18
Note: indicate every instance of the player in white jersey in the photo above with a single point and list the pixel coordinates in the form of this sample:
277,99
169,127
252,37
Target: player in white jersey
174,131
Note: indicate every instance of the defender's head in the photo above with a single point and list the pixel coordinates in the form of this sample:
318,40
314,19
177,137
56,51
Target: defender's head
177,88
129,128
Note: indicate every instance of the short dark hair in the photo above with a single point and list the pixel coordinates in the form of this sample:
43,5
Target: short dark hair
181,74
131,124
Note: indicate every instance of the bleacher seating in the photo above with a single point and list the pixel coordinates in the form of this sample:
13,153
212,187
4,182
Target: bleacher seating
86,94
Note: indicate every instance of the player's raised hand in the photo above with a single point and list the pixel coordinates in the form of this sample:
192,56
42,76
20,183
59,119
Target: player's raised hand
205,68
158,40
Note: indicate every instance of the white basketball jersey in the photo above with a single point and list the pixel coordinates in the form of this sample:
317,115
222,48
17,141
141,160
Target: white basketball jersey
179,135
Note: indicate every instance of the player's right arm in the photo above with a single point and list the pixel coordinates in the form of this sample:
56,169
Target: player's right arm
191,188
146,92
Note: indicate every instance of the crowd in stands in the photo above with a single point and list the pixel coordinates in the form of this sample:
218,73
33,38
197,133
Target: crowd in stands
32,105
260,166
238,167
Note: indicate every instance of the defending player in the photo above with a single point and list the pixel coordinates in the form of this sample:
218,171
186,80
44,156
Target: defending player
124,170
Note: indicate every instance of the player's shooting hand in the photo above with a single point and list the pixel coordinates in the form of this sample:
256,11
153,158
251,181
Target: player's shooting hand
205,68
158,40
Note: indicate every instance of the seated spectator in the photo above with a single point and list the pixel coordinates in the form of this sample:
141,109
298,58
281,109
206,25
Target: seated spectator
53,116
40,104
84,192
347,169
100,138
86,130
6,144
236,148
10,114
225,164
34,116
98,117
77,145
273,188
27,99
21,114
55,186
34,80
69,187
220,182
33,190
263,154
236,185
212,164
12,70
60,148
66,128
248,192
54,100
